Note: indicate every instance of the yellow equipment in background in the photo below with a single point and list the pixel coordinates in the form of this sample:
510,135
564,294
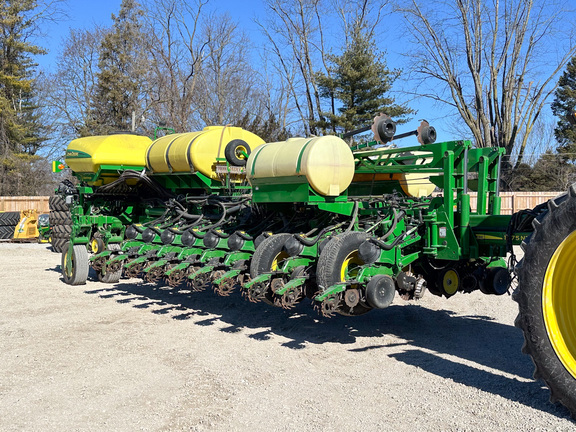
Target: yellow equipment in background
27,228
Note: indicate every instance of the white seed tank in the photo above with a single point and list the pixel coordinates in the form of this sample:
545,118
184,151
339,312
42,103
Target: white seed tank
326,163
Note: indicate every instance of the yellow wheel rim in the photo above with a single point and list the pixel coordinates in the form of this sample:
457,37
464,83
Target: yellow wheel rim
240,152
450,282
559,302
94,245
278,259
69,269
350,266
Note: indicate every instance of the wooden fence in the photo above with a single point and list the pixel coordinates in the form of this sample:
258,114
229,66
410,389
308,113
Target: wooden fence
515,201
19,203
511,201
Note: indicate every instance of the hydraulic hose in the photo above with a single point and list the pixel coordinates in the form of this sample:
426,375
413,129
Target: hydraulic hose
354,217
397,217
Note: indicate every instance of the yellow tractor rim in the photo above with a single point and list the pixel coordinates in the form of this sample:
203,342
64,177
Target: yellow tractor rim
350,266
278,259
450,282
559,302
94,245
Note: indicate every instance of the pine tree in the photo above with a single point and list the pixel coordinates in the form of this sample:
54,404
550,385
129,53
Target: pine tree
20,128
360,81
120,80
564,104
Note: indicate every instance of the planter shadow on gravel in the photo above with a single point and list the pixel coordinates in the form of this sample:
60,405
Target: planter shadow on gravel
426,335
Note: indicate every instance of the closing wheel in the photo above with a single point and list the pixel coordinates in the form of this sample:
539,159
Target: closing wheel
380,291
339,262
75,265
449,282
97,245
237,152
110,277
547,299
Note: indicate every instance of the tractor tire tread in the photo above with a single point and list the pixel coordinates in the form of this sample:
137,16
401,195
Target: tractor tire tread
9,219
552,228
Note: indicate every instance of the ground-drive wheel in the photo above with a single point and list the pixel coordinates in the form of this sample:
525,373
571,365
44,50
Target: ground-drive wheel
75,266
268,257
340,261
546,297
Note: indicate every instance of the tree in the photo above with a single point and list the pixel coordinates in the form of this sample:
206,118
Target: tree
564,104
360,81
176,50
228,85
20,131
120,80
295,36
68,93
493,61
270,129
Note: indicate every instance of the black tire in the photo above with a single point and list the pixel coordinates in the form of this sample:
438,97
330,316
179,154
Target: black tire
9,218
110,277
77,273
58,217
233,152
57,245
57,203
54,218
62,231
6,232
547,299
65,218
334,258
269,254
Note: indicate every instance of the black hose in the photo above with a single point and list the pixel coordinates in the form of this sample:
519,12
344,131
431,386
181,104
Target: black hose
313,241
354,217
220,234
187,215
386,246
397,217
156,230
244,236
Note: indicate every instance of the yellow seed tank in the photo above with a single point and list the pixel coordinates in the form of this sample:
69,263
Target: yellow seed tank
196,151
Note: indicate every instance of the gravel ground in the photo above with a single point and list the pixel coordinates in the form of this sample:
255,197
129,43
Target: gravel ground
133,356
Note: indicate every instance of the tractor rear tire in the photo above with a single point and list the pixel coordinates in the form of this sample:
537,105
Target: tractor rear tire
336,263
9,219
6,232
57,203
547,299
77,272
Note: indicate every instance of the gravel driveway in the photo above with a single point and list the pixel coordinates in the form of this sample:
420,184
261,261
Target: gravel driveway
135,356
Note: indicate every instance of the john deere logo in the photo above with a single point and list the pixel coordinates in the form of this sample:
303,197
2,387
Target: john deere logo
76,154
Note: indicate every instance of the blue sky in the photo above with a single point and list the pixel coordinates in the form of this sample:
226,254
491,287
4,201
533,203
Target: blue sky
88,13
